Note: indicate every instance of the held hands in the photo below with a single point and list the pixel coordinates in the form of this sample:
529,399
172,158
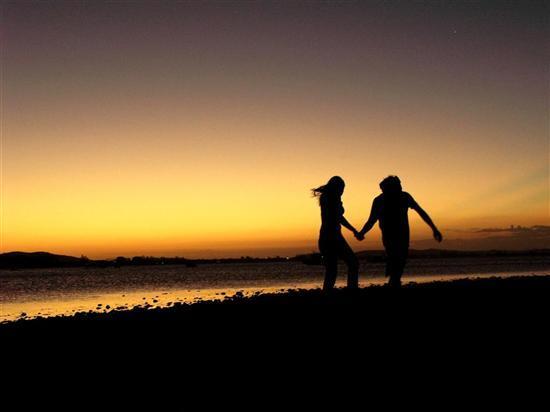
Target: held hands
358,235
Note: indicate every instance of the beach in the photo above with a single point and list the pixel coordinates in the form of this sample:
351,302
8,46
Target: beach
48,292
503,300
465,303
443,333
441,340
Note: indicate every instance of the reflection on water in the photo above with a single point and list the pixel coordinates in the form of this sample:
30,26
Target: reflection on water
50,292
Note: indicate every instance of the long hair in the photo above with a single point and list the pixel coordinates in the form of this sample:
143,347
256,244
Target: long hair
333,187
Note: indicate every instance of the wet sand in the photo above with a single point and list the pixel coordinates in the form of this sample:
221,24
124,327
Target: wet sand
502,298
459,329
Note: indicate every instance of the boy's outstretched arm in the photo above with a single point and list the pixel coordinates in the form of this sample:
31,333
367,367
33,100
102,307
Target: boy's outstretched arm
371,221
426,218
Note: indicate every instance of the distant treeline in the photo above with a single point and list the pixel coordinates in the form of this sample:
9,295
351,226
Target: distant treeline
16,260
380,256
151,260
19,260
443,253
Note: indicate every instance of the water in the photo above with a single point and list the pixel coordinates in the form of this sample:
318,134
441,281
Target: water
50,292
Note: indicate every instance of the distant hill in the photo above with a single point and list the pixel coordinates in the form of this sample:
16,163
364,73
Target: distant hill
38,260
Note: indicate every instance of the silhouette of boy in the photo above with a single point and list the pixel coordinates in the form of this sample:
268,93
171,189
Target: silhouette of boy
390,209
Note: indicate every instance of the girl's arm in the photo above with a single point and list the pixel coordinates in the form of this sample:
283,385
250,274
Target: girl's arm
348,225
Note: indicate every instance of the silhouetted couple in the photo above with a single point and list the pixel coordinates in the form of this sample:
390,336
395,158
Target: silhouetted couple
390,209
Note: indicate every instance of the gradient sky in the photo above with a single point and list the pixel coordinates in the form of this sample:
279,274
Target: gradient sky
198,128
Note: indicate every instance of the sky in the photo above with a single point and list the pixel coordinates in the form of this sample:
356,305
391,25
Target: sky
198,128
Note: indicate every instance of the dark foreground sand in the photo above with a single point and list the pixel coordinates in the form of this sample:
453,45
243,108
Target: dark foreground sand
441,334
491,301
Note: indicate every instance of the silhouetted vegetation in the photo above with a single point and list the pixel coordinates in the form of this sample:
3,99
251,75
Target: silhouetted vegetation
375,256
20,260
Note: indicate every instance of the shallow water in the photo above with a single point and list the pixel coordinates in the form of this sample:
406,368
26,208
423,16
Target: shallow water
50,292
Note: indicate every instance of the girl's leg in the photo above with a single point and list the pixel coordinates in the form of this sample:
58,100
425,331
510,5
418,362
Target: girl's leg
331,270
330,260
347,254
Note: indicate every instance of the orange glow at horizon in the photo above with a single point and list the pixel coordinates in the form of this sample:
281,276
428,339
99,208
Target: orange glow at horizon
210,150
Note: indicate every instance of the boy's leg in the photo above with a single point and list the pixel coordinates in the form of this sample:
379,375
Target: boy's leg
396,266
392,265
401,262
395,281
392,271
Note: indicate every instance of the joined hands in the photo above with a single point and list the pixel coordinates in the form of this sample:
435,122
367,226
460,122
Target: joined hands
358,235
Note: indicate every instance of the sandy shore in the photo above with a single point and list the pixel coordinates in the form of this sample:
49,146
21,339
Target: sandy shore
440,328
459,299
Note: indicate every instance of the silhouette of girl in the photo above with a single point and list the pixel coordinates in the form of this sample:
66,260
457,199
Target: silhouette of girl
332,244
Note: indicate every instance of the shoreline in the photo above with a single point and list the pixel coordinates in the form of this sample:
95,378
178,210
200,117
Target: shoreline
104,302
478,292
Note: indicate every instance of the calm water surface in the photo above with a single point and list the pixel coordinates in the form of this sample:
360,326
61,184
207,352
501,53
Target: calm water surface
50,292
